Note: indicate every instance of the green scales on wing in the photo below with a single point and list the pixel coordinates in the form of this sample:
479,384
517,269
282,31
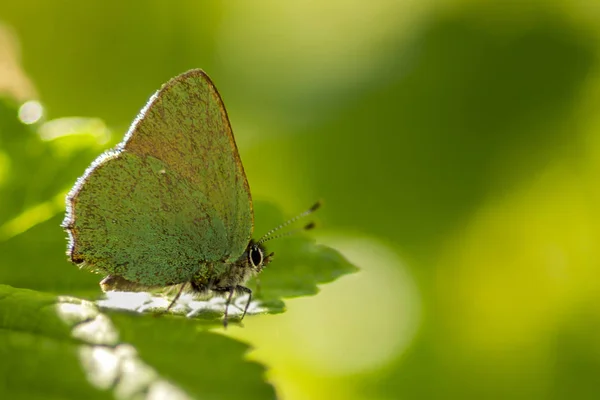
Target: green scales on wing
171,203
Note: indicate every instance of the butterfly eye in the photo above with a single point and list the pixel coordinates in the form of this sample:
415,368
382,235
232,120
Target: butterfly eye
255,256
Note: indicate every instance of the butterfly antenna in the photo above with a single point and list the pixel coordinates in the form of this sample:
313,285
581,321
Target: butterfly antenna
307,227
311,210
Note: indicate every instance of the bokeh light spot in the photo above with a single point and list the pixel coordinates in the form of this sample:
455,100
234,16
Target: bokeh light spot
379,305
31,112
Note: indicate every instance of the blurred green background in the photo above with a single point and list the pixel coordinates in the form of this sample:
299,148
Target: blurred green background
455,143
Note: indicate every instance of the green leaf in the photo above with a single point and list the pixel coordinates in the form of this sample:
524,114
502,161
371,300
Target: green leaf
60,347
39,355
205,364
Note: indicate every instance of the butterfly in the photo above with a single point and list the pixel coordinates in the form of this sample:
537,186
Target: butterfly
170,205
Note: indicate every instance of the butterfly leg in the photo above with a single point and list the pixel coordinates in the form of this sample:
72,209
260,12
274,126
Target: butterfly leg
245,290
183,285
230,290
226,317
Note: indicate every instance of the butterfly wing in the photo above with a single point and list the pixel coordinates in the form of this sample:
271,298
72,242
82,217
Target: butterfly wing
171,198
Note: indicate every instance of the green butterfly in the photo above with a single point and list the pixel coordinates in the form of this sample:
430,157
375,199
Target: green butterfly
170,205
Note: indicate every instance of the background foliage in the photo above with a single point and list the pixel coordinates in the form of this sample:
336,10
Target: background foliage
454,142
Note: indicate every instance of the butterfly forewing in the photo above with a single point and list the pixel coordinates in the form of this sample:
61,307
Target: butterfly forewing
171,197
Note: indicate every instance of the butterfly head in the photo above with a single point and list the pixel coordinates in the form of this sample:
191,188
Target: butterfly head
257,256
